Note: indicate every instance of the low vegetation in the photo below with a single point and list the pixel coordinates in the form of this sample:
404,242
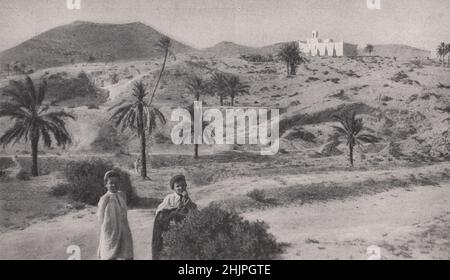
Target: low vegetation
215,234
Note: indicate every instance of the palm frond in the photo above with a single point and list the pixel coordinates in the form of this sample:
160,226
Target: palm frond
14,133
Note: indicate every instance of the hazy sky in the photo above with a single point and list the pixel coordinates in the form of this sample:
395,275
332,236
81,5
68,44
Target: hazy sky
203,23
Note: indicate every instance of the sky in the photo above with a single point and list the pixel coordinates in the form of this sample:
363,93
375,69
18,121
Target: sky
203,23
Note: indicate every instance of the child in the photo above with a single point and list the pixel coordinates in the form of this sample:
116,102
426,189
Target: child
174,207
115,234
179,198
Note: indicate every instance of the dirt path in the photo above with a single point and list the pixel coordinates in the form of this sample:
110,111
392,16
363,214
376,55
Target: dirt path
404,224
49,240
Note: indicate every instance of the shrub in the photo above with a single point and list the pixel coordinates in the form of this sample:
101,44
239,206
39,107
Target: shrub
86,181
214,233
60,190
22,175
257,195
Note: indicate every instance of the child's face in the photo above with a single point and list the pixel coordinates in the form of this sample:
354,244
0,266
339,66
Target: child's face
112,184
180,187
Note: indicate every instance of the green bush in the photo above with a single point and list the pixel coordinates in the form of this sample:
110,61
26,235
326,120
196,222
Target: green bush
86,181
215,234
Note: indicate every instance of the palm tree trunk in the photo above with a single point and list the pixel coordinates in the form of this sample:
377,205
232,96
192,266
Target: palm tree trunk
232,101
160,75
143,146
34,156
221,100
293,70
196,151
350,146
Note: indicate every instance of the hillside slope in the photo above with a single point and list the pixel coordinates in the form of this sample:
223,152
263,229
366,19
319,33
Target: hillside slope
79,41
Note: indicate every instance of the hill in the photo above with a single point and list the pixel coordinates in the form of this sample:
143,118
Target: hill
227,49
396,50
78,41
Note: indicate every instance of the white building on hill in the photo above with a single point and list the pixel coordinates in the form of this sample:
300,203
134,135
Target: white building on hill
316,47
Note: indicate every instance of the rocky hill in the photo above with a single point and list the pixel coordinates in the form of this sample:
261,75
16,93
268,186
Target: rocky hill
87,41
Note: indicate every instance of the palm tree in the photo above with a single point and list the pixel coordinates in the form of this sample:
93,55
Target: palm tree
369,49
442,51
197,86
32,119
164,44
235,87
290,54
448,54
138,115
209,134
351,129
219,85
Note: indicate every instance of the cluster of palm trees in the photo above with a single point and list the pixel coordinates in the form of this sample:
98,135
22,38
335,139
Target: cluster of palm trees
16,67
290,54
442,51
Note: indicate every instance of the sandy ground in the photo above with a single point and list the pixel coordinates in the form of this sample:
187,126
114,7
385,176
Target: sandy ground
49,240
404,223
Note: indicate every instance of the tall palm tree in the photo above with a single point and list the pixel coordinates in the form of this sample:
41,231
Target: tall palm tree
138,115
369,49
290,54
235,87
351,130
164,44
219,85
442,51
32,119
198,87
208,134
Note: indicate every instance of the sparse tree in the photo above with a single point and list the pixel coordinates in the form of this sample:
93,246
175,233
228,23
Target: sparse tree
290,54
138,115
32,119
197,86
448,54
210,134
369,49
442,51
351,130
219,85
235,86
164,44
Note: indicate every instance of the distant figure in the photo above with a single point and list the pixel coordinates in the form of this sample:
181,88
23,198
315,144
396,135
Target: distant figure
174,207
116,241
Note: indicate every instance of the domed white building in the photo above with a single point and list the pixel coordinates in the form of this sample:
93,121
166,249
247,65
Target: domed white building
318,47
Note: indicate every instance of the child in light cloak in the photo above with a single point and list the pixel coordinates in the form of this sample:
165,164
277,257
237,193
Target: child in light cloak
115,235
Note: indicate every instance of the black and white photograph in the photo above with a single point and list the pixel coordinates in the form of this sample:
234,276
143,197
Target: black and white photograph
224,130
